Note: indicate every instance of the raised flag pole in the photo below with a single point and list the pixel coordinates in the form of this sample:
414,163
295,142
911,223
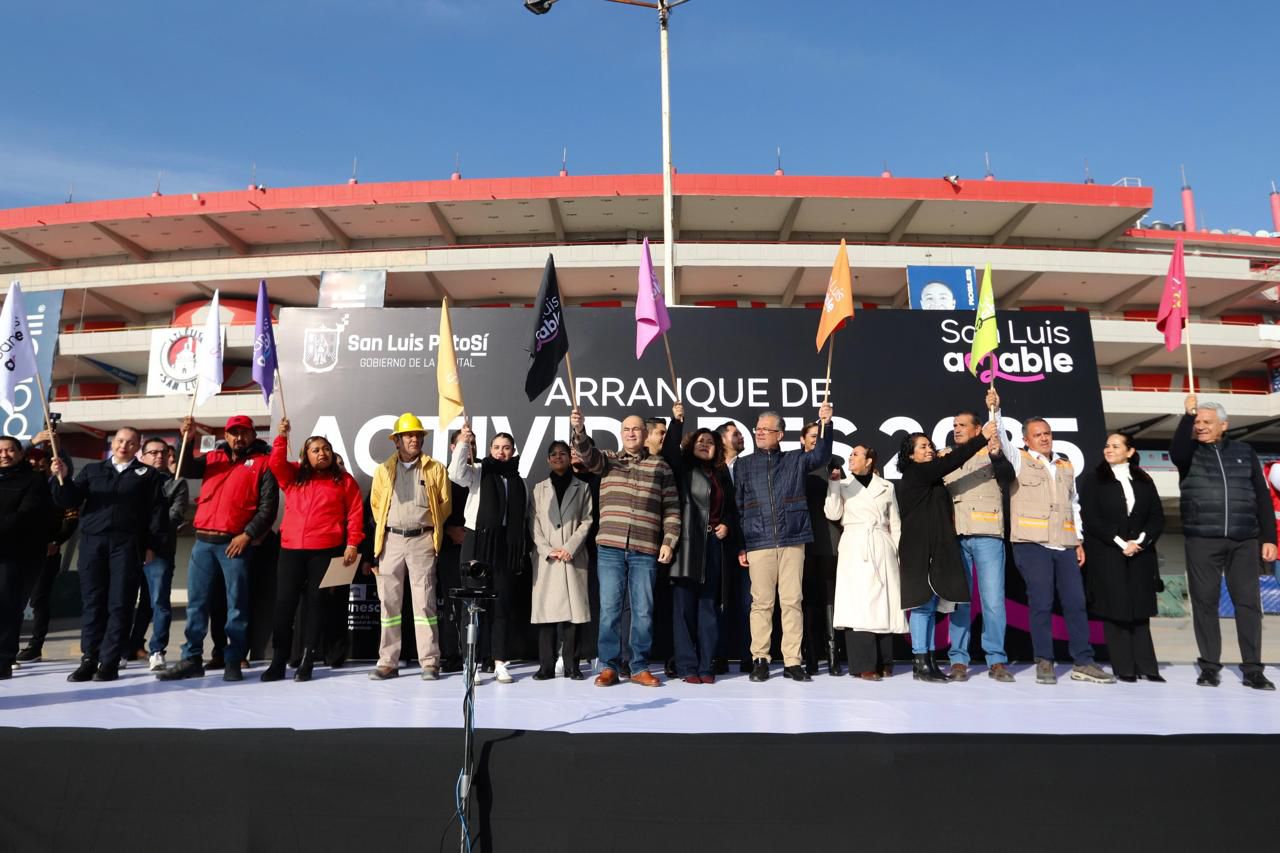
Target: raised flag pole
48,422
573,386
1191,373
191,412
284,411
675,386
826,389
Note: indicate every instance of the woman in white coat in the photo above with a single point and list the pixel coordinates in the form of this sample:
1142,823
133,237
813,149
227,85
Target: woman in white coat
562,510
868,593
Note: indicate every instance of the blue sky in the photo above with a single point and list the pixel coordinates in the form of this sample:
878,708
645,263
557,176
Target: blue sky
106,95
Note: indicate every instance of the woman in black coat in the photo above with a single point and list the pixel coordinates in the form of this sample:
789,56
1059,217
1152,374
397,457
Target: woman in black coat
928,551
1122,521
709,535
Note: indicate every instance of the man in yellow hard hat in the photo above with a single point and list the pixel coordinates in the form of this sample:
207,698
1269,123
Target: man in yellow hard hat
410,498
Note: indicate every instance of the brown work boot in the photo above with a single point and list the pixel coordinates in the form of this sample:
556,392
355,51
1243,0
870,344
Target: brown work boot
607,677
959,672
1000,672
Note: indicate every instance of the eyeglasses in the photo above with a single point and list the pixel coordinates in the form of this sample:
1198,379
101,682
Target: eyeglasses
154,452
765,429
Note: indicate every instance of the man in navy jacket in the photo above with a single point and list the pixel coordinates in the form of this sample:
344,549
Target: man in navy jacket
123,520
770,486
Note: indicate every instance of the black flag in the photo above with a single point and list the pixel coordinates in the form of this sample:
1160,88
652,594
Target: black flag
550,340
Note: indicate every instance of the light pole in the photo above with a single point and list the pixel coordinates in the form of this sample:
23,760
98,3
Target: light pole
663,7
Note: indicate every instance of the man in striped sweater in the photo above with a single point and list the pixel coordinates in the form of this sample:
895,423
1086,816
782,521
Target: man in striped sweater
639,528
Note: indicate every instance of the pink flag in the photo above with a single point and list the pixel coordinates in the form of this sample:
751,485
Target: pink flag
651,308
1172,316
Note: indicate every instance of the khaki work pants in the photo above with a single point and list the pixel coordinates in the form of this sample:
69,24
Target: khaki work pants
777,573
415,558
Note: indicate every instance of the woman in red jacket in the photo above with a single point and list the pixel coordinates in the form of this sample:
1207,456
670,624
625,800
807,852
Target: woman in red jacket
323,519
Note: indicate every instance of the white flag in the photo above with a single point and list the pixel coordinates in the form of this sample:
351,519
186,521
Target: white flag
209,356
17,348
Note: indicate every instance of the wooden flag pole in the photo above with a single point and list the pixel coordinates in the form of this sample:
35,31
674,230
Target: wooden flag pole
573,392
1191,374
670,366
284,411
826,392
48,422
182,451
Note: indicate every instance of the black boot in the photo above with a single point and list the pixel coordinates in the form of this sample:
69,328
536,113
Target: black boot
308,661
924,668
87,669
275,671
833,651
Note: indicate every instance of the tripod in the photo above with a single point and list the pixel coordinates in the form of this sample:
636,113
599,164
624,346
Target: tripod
474,599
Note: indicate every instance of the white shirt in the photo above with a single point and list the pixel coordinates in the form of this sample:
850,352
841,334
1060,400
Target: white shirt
1125,478
121,466
1015,458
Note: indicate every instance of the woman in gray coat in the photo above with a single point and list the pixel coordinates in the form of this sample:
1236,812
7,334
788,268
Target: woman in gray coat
562,510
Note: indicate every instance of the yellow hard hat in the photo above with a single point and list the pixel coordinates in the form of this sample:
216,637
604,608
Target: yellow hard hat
408,422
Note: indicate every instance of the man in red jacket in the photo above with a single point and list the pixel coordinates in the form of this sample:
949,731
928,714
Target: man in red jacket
236,508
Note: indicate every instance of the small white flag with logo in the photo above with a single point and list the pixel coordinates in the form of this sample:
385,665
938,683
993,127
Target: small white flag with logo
209,356
17,348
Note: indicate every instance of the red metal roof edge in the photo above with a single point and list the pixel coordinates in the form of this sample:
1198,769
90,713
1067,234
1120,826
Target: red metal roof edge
585,186
1169,236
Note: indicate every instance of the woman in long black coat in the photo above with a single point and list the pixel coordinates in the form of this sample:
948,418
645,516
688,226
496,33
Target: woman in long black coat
1123,519
928,550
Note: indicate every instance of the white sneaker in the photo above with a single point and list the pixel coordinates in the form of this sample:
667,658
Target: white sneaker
124,662
500,673
157,661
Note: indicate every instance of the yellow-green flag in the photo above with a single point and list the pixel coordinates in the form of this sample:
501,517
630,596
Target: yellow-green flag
450,387
986,337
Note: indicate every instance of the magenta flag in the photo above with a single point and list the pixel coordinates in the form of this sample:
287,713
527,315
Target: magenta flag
1172,316
651,308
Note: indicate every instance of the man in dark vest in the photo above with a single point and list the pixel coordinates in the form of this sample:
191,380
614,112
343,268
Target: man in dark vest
1228,523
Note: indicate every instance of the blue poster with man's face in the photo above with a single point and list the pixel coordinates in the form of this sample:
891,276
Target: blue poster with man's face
943,288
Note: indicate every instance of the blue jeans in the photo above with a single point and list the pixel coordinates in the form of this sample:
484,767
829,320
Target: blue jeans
209,559
159,575
1044,570
696,617
922,620
984,555
632,573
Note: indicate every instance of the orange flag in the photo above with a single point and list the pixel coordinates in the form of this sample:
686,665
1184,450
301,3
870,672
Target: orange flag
838,305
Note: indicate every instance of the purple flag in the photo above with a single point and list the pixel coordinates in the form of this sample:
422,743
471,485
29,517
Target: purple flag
264,345
651,308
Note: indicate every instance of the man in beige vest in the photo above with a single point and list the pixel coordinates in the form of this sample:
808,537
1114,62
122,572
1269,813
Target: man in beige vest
977,495
1045,530
411,500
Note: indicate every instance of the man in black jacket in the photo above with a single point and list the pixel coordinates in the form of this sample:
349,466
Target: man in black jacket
153,606
1226,513
37,587
123,522
24,523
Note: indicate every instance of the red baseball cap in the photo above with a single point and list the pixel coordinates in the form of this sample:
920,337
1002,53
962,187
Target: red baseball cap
238,421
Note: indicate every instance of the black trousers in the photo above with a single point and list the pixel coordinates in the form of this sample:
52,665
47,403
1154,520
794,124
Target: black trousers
110,571
1132,651
498,611
819,589
298,574
548,635
448,576
13,571
1209,560
37,589
868,652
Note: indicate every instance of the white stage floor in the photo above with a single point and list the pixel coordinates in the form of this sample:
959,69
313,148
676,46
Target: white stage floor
39,695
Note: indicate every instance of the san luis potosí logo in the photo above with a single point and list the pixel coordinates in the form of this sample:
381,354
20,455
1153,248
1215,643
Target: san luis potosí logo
1028,350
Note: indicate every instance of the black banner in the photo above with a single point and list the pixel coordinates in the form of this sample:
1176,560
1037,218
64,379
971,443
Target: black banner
351,373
